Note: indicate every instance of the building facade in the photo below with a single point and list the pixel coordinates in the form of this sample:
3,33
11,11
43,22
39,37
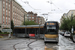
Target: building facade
11,10
18,13
71,12
31,16
40,20
43,20
65,15
5,6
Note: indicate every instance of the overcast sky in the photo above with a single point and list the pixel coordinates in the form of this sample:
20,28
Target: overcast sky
54,8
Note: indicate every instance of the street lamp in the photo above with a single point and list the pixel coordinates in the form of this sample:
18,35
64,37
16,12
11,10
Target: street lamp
24,19
10,28
24,23
71,21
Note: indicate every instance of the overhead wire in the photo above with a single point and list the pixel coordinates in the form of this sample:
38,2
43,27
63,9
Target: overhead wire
29,5
55,6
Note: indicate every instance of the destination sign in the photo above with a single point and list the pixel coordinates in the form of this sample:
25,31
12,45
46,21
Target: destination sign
51,23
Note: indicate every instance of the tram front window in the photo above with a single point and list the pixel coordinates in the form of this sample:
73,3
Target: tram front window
51,30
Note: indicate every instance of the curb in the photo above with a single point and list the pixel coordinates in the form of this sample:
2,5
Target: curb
5,38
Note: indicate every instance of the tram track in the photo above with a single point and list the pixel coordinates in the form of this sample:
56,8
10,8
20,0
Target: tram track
27,44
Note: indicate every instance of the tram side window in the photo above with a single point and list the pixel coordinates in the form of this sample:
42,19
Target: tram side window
15,30
32,31
41,31
21,31
37,30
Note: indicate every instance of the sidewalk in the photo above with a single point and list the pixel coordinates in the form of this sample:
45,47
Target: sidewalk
6,38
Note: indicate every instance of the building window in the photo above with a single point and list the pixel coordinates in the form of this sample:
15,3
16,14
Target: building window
29,20
3,19
72,12
9,21
6,20
3,12
29,17
9,15
9,12
3,9
6,0
9,1
6,11
32,17
32,20
6,4
3,5
9,6
3,2
27,14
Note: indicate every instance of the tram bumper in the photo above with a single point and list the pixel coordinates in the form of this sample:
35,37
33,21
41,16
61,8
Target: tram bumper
51,39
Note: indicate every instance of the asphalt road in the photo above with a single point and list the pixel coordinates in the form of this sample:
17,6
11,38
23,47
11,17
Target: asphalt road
33,44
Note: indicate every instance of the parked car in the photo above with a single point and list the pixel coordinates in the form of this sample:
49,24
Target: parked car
67,34
62,33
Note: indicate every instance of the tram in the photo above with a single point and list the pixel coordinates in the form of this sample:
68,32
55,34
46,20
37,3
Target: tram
19,31
51,31
32,31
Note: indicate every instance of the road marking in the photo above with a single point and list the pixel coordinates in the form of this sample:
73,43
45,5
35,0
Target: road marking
48,48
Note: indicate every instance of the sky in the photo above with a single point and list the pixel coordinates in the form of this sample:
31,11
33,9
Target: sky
52,9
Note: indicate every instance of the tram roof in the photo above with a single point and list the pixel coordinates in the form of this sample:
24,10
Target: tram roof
51,21
29,26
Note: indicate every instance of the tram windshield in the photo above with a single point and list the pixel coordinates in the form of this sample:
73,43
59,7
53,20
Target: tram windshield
51,27
51,30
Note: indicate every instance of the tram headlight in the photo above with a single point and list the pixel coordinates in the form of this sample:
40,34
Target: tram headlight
45,35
